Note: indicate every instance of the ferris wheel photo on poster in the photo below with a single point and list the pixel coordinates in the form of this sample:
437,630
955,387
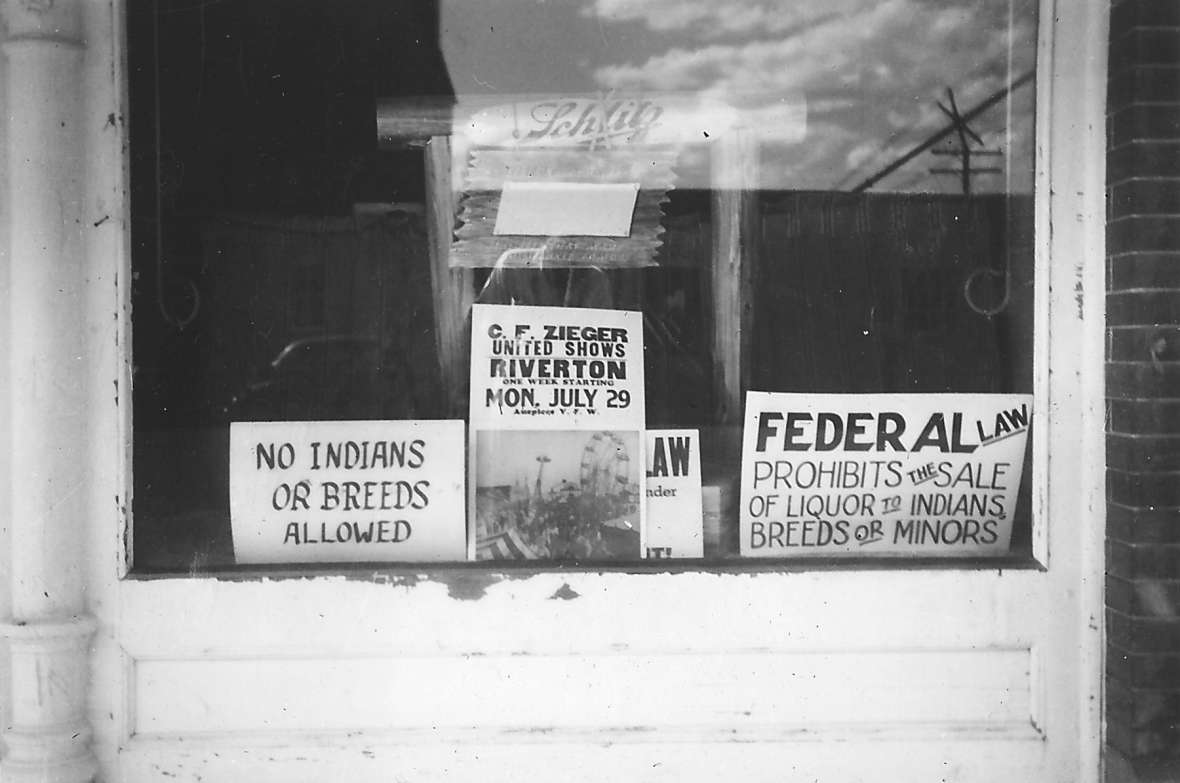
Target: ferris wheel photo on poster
556,447
557,495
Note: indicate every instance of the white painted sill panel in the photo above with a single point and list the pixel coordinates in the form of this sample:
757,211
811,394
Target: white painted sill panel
702,612
362,759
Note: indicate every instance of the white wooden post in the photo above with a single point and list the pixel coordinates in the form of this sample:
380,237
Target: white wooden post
45,510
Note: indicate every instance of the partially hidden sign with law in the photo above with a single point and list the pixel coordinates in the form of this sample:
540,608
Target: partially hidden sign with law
347,491
673,494
847,474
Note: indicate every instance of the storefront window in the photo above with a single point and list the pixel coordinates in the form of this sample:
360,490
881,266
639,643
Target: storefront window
628,214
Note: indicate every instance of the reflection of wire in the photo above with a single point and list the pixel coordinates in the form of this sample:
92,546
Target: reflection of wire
930,141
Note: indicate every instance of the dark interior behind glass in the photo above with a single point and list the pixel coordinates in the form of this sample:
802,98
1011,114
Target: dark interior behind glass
280,261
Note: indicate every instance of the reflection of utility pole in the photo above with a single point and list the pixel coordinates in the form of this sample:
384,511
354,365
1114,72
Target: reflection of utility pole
540,469
962,130
987,103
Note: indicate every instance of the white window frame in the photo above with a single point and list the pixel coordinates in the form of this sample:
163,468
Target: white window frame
834,674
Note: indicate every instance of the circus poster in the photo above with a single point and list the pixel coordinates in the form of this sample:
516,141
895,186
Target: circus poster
556,454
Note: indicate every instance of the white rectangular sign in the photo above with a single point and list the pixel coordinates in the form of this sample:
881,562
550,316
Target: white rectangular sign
347,491
559,209
674,521
556,441
556,368
897,474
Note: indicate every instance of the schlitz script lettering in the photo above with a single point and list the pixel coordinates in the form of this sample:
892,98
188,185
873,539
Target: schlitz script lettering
589,121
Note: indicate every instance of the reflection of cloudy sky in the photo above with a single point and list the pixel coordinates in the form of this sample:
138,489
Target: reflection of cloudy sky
870,71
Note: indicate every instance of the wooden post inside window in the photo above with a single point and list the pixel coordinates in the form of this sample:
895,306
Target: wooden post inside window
426,122
734,204
451,287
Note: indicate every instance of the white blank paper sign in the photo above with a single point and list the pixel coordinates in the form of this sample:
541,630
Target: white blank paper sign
557,209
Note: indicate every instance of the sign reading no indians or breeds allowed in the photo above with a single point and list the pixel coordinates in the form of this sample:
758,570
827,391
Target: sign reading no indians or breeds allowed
347,491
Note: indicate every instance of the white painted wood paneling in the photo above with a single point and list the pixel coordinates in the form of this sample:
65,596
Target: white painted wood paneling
191,675
859,662
762,694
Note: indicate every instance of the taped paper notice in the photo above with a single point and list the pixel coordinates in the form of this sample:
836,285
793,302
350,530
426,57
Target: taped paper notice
566,209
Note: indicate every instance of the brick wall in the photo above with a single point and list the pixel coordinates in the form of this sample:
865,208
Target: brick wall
1143,379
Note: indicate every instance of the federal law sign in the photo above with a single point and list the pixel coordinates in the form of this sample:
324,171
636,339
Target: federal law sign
347,491
848,474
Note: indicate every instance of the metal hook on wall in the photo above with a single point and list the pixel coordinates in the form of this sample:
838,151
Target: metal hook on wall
192,293
969,295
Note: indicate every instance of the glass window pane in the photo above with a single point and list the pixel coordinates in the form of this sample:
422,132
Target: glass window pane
829,198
